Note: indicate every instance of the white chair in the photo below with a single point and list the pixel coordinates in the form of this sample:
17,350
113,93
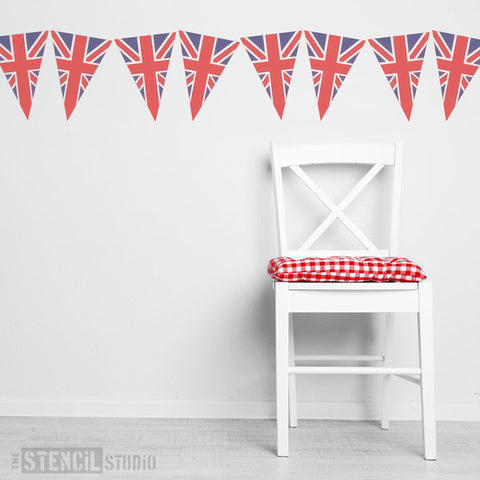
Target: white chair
300,297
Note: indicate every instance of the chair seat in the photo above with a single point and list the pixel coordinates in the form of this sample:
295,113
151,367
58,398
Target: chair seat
345,269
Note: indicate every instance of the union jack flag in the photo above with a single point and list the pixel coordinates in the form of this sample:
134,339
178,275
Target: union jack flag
401,59
78,57
20,58
331,58
147,58
204,59
273,57
458,59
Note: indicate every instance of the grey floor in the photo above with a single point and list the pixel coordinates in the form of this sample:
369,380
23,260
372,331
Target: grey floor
244,449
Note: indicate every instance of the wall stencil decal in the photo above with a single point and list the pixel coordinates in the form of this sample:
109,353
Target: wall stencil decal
331,58
204,59
147,57
78,57
458,58
273,57
401,59
20,58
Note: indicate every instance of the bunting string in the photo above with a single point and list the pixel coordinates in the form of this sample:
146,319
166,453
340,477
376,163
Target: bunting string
273,57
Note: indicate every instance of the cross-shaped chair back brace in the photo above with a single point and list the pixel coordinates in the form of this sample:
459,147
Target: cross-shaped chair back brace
294,157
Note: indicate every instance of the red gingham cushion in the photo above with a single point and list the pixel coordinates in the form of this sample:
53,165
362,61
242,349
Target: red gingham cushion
345,269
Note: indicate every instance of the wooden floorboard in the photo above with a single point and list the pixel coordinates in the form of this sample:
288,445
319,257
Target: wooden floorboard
245,449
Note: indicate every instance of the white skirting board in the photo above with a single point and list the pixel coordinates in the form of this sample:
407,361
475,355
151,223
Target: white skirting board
228,409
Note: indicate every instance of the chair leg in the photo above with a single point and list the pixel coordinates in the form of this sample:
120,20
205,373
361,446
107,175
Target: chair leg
427,386
387,379
282,359
292,384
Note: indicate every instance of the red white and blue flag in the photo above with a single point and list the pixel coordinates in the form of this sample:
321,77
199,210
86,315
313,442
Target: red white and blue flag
331,58
78,57
204,59
458,58
20,58
147,58
401,59
273,57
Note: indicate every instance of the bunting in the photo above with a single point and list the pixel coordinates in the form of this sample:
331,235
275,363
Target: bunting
147,57
204,59
20,58
273,57
401,59
458,58
78,57
331,58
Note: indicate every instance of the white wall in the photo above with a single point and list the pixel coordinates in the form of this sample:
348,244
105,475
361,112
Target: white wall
133,253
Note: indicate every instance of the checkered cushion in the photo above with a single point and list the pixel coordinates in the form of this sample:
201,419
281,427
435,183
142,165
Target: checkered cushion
345,269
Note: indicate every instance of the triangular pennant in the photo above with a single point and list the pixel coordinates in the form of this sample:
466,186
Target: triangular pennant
78,57
458,59
331,58
20,58
401,59
273,57
204,59
147,58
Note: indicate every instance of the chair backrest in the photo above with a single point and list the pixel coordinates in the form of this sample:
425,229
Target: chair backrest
294,158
